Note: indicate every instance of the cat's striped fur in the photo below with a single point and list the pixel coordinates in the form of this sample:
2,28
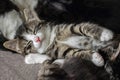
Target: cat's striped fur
73,39
60,41
65,41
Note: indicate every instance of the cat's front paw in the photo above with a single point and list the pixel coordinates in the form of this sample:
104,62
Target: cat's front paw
35,58
106,35
59,62
97,59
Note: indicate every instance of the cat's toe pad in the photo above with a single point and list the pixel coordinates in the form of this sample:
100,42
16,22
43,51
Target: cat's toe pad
35,58
97,59
106,35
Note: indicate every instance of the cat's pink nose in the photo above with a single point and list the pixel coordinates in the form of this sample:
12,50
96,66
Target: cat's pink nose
37,39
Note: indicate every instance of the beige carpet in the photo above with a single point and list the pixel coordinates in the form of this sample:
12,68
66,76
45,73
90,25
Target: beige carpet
12,67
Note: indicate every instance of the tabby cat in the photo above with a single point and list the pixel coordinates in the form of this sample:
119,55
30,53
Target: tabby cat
58,41
62,41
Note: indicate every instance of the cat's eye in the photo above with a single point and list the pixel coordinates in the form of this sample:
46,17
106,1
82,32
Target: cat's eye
29,31
38,27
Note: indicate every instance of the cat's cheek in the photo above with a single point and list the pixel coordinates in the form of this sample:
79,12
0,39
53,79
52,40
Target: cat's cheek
97,59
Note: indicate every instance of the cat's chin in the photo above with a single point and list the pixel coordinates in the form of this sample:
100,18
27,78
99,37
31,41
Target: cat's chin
37,45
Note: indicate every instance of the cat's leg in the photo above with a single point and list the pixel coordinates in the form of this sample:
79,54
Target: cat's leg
92,30
36,58
95,57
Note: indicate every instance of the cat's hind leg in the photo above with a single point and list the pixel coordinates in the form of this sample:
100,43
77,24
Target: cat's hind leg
96,31
89,55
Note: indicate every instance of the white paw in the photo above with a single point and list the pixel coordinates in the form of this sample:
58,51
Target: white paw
106,35
60,62
97,59
35,58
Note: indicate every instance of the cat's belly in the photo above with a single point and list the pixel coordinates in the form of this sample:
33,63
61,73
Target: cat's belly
80,42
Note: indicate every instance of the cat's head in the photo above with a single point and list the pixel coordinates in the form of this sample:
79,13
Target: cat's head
31,33
36,36
28,41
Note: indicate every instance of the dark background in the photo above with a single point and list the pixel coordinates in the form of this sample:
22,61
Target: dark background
103,12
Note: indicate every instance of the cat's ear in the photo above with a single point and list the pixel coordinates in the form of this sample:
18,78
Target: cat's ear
12,45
